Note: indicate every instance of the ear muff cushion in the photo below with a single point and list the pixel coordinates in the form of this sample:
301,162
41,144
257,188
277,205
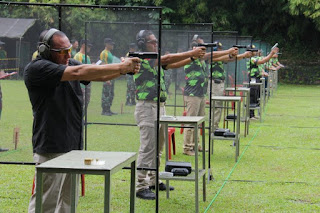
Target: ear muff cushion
44,47
140,39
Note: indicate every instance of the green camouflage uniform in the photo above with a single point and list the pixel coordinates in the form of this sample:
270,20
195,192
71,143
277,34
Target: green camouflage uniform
194,92
218,71
196,80
255,73
131,88
218,77
168,79
108,88
146,81
253,68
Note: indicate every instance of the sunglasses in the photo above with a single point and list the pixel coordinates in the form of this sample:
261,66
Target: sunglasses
63,51
153,41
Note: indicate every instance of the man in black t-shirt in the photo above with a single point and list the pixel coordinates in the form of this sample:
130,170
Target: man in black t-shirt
53,83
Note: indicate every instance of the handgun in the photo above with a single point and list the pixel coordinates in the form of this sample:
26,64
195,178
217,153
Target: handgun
274,46
207,45
240,46
144,55
253,50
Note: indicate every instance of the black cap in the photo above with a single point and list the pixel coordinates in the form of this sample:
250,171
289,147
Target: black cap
83,41
133,45
108,41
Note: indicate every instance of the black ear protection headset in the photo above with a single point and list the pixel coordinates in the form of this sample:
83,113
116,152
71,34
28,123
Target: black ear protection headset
140,39
44,47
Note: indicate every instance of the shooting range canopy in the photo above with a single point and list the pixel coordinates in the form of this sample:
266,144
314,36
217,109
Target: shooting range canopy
17,27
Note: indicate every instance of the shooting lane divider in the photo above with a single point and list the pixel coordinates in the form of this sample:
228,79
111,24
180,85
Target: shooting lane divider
232,170
235,165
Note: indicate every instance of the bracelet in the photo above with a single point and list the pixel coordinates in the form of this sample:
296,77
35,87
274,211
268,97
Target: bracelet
230,56
192,59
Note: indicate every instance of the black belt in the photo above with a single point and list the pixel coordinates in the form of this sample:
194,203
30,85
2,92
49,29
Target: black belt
218,81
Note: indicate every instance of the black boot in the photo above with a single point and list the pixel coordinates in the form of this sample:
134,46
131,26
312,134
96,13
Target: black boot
128,103
113,113
107,112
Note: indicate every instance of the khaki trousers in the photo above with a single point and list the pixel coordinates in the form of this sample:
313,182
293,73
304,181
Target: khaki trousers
146,115
217,90
56,188
195,107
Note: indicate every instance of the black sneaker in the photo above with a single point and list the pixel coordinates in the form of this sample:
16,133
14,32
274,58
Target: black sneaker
162,187
146,194
113,113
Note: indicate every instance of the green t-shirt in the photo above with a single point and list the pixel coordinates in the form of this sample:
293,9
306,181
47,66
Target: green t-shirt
106,57
196,79
81,58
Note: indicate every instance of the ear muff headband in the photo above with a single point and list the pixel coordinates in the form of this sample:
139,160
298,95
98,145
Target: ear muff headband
195,37
44,48
140,39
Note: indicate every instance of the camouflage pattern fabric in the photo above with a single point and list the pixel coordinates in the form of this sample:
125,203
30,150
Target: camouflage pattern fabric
107,95
146,82
253,68
218,71
131,88
196,79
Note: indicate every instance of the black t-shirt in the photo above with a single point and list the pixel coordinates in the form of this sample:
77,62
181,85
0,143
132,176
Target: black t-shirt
56,106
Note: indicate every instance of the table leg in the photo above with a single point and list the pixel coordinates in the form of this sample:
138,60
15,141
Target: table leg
107,192
196,169
133,187
204,160
73,193
39,189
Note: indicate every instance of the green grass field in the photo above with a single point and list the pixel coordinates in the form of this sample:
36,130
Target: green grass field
277,171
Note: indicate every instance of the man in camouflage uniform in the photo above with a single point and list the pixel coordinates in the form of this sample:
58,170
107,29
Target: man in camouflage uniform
146,108
195,90
131,87
255,74
84,59
108,87
218,78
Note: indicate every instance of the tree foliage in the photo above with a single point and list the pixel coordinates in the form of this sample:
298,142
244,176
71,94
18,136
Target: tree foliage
294,24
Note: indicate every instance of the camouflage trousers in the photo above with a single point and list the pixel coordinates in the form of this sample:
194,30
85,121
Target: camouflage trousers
107,95
131,89
86,93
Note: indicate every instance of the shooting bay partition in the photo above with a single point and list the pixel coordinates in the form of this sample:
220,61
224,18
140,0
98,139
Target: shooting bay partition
21,25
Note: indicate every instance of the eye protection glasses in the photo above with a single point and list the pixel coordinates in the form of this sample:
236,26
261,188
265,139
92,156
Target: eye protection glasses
63,51
153,41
